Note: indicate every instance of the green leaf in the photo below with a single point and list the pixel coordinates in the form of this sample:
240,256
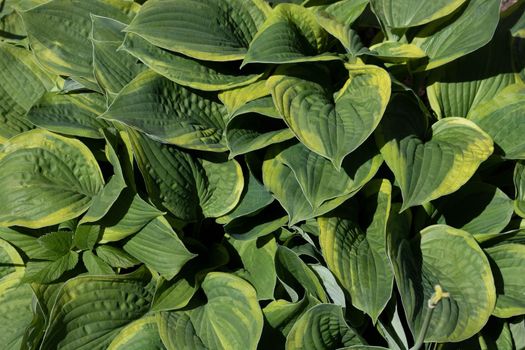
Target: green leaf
106,198
112,68
139,335
170,112
90,311
86,236
307,192
470,29
501,118
72,114
10,261
49,271
20,88
290,34
254,198
519,186
508,262
432,163
412,13
63,47
59,242
46,179
116,257
15,310
95,265
202,75
294,272
212,30
235,99
357,255
159,247
254,126
258,259
322,327
230,319
332,126
459,86
452,259
127,216
484,209
188,186
281,315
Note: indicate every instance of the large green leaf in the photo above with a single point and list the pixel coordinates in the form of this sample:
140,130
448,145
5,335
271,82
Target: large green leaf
412,13
508,266
112,68
502,118
159,247
20,88
142,334
258,258
459,86
170,112
202,75
72,114
485,209
46,179
230,319
357,255
213,30
470,29
331,123
15,310
452,259
429,164
90,311
290,34
322,327
62,46
309,191
188,186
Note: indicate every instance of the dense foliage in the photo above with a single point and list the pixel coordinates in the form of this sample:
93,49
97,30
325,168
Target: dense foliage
251,174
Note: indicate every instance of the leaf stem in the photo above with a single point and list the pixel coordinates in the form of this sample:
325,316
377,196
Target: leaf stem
435,298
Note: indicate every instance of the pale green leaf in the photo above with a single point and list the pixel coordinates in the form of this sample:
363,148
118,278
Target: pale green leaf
142,334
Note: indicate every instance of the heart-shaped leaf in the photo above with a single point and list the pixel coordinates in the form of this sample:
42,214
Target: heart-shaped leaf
426,166
331,125
452,259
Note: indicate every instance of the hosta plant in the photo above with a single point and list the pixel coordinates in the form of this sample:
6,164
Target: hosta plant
258,174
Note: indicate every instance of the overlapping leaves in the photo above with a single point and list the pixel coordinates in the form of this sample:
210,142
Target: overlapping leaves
259,174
